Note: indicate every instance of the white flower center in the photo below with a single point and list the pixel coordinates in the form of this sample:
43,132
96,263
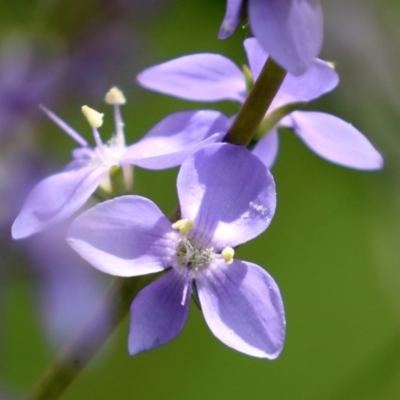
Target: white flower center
191,256
109,155
194,258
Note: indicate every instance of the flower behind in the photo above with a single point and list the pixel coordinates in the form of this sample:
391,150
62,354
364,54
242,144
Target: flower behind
166,145
214,77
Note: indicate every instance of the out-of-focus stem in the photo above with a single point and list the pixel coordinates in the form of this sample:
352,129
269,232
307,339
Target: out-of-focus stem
80,349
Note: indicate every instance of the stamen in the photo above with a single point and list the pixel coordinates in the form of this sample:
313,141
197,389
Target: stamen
228,254
98,141
64,126
183,226
94,118
331,64
185,288
115,97
193,257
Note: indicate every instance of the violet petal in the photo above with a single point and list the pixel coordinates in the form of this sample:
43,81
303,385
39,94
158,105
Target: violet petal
256,55
336,140
231,18
267,148
126,236
158,313
55,199
199,77
174,138
243,307
228,193
69,291
320,77
290,30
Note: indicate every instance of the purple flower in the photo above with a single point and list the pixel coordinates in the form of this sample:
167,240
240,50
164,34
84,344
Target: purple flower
65,288
290,31
212,77
166,145
68,290
227,197
27,74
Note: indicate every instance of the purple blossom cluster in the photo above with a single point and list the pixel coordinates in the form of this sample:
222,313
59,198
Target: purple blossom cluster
227,195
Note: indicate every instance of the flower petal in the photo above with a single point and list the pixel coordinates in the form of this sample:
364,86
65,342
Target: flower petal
336,140
69,292
174,138
67,300
228,193
256,55
158,313
231,19
320,77
267,148
55,199
126,236
199,77
242,306
290,30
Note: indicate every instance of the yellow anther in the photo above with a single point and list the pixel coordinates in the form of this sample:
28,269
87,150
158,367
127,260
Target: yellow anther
331,64
115,96
228,254
95,118
183,226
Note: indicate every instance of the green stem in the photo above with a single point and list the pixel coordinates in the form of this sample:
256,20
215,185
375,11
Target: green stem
256,105
83,346
79,350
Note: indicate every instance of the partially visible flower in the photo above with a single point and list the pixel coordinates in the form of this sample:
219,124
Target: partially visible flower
291,31
212,77
67,289
28,75
227,197
166,145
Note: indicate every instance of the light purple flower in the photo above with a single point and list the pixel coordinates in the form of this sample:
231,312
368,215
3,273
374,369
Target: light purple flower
166,145
27,74
68,290
65,287
212,77
291,31
227,197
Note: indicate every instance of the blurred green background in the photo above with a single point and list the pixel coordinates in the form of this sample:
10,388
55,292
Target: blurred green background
333,246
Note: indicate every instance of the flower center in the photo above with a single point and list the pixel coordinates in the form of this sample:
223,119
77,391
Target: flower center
109,154
191,256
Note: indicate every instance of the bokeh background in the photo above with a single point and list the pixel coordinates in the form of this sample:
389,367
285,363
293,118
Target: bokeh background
333,247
